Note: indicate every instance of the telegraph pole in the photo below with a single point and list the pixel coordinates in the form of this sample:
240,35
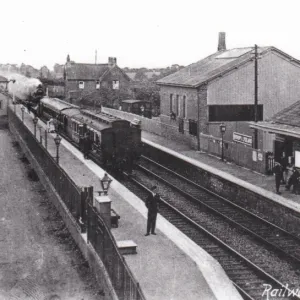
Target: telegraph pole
255,95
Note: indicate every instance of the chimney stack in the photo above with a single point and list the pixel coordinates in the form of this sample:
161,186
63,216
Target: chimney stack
112,61
222,42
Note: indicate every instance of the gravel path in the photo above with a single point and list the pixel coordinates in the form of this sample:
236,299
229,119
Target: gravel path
38,258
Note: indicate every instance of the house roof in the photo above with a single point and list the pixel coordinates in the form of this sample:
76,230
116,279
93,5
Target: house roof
77,71
214,66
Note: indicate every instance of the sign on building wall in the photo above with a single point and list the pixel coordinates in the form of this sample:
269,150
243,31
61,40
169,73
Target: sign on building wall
243,139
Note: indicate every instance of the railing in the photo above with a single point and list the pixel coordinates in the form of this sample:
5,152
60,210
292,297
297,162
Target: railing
79,202
123,281
69,192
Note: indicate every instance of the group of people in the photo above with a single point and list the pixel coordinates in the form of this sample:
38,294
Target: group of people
280,171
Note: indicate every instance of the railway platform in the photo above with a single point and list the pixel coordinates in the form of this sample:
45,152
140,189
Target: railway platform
168,265
233,172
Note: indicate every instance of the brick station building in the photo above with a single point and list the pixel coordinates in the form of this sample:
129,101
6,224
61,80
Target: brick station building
220,89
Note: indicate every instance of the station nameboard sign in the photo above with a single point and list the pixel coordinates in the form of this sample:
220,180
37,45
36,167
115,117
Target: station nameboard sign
243,139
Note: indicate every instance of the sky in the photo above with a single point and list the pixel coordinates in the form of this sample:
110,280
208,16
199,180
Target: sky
139,33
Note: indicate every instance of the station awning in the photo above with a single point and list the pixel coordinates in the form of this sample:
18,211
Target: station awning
277,128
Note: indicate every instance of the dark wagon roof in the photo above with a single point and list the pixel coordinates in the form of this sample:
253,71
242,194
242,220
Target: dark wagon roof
57,104
99,126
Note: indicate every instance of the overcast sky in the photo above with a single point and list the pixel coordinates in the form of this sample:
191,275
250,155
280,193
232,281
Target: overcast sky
155,33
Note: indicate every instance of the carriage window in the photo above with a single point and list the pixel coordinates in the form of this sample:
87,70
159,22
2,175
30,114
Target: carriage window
135,105
81,85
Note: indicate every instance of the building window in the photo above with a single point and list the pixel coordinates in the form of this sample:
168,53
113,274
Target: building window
177,105
221,113
193,128
171,103
184,107
115,84
81,85
97,85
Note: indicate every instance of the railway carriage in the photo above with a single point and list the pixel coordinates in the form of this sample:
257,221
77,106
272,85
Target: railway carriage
115,142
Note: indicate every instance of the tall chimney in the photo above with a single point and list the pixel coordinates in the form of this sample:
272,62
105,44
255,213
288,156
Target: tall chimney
222,42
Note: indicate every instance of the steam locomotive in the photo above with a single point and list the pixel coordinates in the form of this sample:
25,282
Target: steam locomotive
115,142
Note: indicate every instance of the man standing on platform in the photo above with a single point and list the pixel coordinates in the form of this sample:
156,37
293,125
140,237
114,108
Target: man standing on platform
152,204
277,170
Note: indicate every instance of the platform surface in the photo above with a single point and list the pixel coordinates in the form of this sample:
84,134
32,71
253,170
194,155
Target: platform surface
244,177
168,265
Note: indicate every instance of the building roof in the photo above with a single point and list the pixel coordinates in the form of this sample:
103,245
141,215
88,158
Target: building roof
277,128
285,122
214,66
289,116
2,78
77,71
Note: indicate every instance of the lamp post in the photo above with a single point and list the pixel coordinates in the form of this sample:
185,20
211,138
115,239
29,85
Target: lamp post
222,130
57,141
23,109
255,95
35,121
105,183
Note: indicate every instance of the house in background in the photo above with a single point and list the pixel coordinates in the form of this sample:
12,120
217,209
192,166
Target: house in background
220,89
81,78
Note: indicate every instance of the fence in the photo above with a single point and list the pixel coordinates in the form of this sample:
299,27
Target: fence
103,242
79,203
63,184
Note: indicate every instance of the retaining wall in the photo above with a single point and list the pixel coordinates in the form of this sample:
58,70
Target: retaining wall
87,250
272,207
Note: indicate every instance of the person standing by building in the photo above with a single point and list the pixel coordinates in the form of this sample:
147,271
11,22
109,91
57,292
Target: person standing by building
152,203
277,170
293,181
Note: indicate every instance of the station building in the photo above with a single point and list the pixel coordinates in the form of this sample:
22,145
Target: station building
220,89
285,126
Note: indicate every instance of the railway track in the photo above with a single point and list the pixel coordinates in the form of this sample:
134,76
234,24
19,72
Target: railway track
246,276
271,235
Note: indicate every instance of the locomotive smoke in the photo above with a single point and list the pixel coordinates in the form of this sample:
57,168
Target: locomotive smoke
23,86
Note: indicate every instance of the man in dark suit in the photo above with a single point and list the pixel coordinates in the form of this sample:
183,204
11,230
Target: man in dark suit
277,170
152,204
